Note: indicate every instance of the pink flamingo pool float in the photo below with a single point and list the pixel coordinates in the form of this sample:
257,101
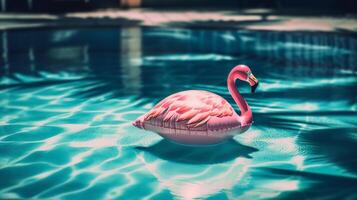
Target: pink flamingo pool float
197,117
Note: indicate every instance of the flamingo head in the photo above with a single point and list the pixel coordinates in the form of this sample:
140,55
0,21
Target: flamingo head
245,74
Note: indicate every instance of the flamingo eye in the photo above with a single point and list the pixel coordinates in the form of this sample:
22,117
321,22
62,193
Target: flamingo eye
249,74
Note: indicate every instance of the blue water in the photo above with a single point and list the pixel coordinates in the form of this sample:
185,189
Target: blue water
68,96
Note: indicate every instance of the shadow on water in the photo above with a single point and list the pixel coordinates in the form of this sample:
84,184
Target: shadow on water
323,147
334,145
219,153
321,185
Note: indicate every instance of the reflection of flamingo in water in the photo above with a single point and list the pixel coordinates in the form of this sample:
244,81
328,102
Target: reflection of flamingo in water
201,117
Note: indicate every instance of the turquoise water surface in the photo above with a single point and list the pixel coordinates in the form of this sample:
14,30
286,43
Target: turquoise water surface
68,97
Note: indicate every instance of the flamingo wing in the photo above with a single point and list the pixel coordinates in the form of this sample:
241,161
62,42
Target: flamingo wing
193,106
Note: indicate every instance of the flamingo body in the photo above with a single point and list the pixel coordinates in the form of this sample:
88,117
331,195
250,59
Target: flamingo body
192,117
195,117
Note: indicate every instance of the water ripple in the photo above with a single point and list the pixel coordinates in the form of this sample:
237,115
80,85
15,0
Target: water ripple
66,133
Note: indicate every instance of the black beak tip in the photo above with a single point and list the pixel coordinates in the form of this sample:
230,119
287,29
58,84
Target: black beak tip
254,87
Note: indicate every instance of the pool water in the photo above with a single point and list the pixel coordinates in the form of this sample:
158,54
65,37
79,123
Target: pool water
68,97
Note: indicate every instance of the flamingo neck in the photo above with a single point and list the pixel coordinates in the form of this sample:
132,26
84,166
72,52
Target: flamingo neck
246,113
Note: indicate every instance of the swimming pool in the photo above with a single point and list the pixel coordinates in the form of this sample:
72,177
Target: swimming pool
68,97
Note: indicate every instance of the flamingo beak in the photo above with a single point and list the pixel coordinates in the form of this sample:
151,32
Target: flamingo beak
253,82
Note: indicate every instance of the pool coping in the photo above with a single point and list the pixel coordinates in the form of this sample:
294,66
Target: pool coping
202,19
